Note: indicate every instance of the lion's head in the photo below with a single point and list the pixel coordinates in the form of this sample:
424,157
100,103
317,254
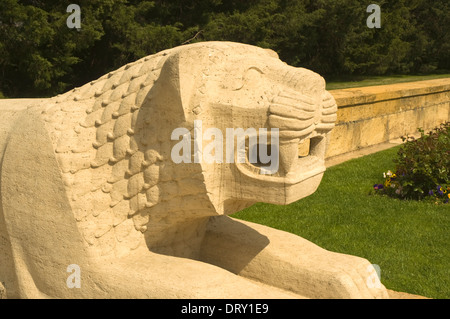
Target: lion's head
229,86
115,144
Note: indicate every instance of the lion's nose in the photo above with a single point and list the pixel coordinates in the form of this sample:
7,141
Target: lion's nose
293,114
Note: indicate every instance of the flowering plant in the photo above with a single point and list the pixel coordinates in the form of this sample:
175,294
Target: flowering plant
422,168
393,186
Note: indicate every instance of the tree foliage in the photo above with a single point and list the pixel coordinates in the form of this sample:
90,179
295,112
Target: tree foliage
41,56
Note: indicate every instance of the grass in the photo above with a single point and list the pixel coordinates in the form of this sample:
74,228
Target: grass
379,80
409,240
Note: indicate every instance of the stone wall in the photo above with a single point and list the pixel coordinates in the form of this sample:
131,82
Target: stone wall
373,115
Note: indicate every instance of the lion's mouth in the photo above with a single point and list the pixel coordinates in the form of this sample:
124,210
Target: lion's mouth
298,159
303,124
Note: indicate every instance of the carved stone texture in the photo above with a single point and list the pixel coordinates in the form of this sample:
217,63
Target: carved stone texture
88,179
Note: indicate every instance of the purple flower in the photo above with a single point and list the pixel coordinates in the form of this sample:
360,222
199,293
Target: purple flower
430,193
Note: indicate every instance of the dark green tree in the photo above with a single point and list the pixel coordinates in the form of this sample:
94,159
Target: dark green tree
41,56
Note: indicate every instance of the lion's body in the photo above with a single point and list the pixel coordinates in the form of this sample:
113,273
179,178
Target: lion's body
87,177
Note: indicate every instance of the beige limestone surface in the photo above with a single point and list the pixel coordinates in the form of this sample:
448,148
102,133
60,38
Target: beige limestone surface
369,116
89,182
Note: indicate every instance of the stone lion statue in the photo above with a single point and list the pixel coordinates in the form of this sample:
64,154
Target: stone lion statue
88,183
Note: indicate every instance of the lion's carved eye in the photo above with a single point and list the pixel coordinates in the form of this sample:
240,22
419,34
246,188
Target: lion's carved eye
252,78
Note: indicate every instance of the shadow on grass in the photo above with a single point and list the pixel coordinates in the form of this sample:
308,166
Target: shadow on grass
407,239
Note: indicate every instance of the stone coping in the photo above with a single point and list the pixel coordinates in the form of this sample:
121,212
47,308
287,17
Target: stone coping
19,104
371,94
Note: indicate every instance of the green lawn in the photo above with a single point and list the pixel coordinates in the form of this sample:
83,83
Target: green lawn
408,240
379,80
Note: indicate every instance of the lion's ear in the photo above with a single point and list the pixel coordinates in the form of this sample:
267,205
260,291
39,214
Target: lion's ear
176,83
166,93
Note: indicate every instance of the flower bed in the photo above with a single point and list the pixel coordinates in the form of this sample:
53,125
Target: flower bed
422,169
